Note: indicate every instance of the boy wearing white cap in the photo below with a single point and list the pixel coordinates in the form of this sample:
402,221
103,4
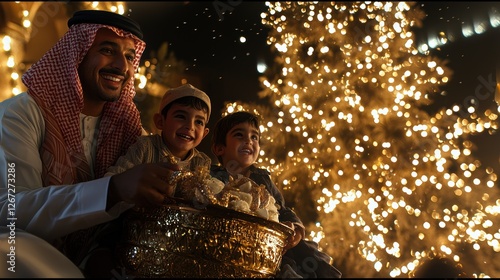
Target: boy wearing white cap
182,118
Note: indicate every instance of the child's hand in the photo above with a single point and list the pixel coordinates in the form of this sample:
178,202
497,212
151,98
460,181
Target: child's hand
293,240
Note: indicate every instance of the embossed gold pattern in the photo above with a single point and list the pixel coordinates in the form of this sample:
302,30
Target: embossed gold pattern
215,242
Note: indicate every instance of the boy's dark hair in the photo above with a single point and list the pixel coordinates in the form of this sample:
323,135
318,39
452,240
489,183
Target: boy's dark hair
190,101
439,267
226,123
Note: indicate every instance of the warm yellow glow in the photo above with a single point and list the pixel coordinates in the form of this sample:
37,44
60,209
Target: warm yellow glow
6,41
351,108
26,24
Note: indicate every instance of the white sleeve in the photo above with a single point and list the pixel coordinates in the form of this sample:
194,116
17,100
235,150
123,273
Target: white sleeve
22,130
48,212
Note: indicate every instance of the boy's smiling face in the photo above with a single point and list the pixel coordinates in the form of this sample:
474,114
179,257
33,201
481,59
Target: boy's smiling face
182,129
242,148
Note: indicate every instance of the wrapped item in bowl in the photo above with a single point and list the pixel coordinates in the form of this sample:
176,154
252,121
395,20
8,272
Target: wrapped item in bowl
240,193
199,236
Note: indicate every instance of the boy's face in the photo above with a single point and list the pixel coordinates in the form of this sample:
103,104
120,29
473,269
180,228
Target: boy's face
107,67
182,129
242,148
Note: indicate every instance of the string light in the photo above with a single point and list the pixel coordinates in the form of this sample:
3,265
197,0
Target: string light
469,28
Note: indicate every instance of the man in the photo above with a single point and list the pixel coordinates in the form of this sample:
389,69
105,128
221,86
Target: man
57,140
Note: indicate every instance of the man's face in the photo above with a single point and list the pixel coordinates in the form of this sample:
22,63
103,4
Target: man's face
107,67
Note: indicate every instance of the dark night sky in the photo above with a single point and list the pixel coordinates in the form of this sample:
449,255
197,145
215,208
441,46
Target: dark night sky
208,41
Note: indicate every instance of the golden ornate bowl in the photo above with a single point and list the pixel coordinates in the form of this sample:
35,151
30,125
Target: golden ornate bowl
214,242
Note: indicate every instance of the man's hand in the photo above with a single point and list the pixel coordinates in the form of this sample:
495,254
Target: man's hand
298,234
143,185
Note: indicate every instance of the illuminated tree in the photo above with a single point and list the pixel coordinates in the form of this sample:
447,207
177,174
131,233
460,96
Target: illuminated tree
382,184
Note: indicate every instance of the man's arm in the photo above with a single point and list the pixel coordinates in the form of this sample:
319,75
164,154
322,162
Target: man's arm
48,212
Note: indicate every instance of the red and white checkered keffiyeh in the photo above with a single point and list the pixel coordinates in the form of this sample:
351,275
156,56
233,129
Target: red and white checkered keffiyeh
54,83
